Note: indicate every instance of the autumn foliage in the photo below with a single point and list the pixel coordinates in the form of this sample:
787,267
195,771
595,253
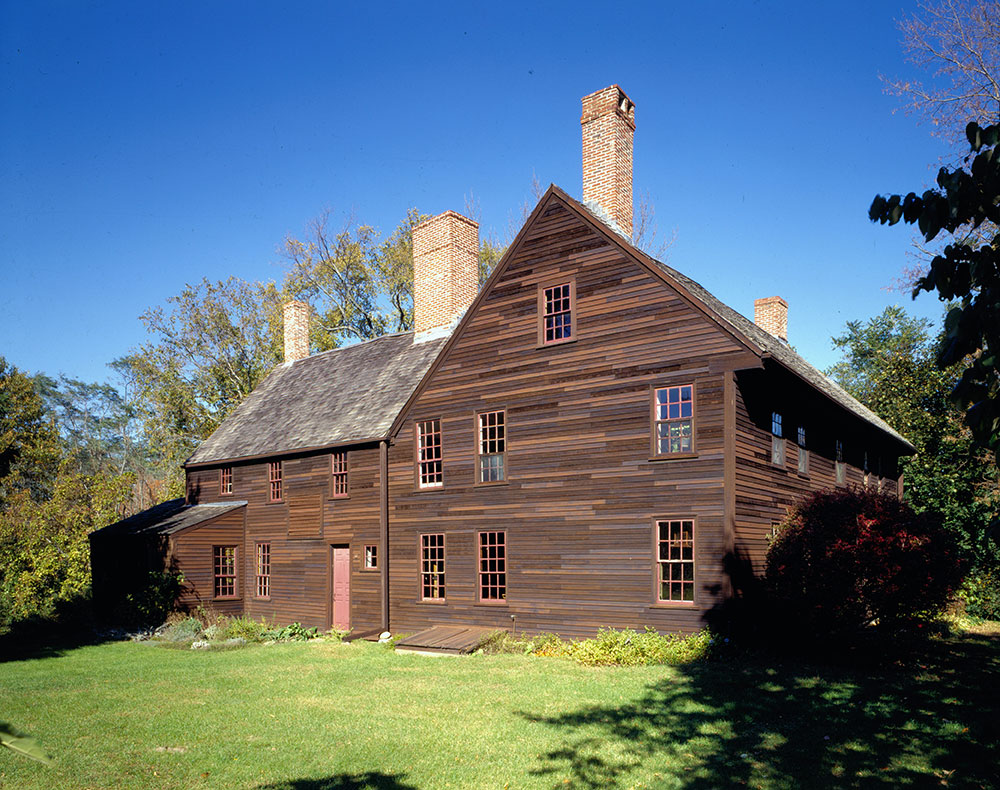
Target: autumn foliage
849,561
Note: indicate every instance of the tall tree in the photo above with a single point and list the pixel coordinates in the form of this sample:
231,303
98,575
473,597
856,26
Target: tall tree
889,365
29,451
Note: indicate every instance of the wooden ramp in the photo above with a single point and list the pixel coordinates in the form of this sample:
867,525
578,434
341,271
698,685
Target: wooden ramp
452,639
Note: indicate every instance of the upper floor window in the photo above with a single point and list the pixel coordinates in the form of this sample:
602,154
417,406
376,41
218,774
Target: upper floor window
675,560
556,310
673,419
432,567
224,565
867,471
803,452
492,446
226,480
841,469
274,480
430,470
338,469
263,570
777,441
493,566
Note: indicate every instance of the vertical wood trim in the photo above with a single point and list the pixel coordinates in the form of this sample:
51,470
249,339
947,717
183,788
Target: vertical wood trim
729,476
383,481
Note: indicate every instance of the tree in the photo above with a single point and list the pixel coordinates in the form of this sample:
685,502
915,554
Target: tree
216,343
958,43
29,449
889,365
967,270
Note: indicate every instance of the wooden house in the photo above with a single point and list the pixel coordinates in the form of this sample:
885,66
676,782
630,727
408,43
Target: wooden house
580,443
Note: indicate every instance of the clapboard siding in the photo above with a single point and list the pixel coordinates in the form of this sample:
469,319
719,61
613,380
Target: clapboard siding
581,493
191,550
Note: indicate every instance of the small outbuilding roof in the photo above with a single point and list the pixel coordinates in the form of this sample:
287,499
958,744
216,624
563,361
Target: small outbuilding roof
169,517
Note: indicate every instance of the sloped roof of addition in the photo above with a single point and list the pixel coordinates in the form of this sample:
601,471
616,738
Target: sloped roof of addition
169,517
767,344
344,396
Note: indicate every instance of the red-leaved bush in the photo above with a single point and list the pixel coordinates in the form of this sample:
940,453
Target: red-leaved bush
850,559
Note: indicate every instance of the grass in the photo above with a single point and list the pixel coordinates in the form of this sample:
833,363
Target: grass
326,716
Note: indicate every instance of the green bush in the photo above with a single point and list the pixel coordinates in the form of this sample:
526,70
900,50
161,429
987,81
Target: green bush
150,605
296,632
245,628
980,592
186,630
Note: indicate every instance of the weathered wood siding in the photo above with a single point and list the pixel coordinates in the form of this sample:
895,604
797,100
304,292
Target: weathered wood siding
764,491
581,492
191,550
301,530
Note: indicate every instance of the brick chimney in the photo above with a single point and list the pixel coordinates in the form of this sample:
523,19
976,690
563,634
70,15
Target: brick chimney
445,272
608,123
771,315
296,330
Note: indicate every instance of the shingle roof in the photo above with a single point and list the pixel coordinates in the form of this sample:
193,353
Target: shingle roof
169,517
739,324
346,395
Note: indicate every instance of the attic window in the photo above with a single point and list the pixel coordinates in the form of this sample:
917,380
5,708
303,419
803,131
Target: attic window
226,480
430,470
338,469
274,480
555,307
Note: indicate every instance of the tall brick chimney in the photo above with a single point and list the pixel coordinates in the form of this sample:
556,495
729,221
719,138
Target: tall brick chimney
296,330
771,315
608,123
445,272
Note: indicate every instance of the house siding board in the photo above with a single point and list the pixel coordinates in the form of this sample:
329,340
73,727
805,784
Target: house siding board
581,494
192,551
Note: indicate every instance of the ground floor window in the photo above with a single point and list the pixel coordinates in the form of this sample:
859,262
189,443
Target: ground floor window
675,560
224,561
432,567
371,557
492,566
263,572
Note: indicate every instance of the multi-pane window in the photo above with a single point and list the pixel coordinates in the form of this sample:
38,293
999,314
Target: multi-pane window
432,567
803,452
777,442
492,566
224,563
675,560
868,472
262,574
274,480
338,469
492,446
430,471
557,313
226,480
371,557
673,418
841,469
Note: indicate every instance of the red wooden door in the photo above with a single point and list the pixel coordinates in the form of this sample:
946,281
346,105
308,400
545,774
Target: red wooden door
341,587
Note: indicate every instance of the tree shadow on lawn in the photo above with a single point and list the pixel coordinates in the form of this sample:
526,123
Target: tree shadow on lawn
761,722
72,624
369,780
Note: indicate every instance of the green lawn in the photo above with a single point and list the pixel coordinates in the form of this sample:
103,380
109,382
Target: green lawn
324,715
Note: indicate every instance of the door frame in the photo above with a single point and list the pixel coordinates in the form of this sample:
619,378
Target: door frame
332,582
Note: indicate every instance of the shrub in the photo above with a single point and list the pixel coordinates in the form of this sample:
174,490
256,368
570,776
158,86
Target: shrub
849,560
181,630
980,593
150,605
296,632
245,628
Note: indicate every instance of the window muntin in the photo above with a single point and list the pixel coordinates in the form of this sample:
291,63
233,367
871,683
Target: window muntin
371,557
262,571
841,469
224,571
226,480
777,442
338,472
492,446
432,567
274,481
430,468
557,313
673,418
493,567
675,560
803,452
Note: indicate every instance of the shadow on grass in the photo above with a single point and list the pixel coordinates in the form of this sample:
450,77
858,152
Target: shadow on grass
369,780
71,625
758,722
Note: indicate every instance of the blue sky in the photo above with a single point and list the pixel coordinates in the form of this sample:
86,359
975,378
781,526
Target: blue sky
145,146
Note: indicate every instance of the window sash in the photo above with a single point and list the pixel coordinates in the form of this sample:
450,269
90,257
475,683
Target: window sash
492,446
675,561
673,419
263,570
839,466
274,480
777,442
226,480
803,452
493,567
430,465
338,470
557,320
432,565
224,571
371,557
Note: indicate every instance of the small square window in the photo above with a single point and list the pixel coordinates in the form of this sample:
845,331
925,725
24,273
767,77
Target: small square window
371,557
673,419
